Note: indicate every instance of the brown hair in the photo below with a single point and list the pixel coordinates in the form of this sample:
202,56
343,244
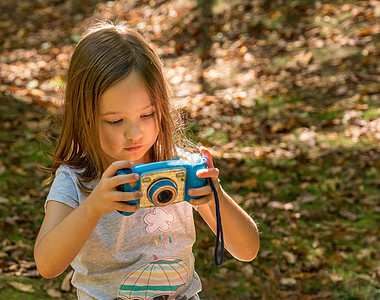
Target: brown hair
106,54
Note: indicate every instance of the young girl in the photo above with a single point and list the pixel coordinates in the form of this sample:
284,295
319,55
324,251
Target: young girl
117,114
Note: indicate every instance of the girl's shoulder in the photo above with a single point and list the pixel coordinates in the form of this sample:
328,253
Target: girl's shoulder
67,170
65,187
65,173
70,175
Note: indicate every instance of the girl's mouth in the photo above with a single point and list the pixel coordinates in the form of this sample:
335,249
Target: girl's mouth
133,148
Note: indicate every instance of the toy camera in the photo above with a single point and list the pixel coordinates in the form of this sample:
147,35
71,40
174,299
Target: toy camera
163,183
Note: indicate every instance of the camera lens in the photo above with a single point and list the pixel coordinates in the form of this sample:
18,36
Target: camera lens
165,196
162,192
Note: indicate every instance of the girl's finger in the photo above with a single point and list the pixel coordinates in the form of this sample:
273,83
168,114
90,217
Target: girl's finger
115,166
205,173
125,196
122,179
202,191
201,201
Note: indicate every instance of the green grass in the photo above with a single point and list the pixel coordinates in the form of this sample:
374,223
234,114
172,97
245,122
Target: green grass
371,114
8,292
37,288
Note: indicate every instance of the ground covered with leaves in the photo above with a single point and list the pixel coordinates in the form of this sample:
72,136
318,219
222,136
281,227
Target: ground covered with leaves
285,93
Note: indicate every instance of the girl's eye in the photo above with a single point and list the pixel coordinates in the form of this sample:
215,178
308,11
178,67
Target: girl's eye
148,116
114,122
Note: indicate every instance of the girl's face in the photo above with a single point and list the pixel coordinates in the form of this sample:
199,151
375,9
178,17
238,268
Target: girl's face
127,121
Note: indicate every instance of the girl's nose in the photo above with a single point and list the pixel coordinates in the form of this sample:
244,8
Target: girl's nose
132,131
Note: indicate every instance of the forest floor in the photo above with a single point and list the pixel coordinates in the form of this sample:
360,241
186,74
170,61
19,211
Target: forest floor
286,94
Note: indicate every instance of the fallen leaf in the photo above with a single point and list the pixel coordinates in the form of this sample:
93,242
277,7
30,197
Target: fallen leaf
288,282
335,278
348,215
306,198
52,292
367,280
289,257
365,31
4,200
66,284
247,270
250,183
281,205
26,288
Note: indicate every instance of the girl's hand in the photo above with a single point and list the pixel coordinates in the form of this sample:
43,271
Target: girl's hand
240,234
205,192
105,198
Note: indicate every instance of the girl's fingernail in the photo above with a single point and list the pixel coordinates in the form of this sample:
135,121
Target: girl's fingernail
191,192
137,177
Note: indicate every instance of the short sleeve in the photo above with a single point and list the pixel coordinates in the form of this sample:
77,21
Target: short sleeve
64,188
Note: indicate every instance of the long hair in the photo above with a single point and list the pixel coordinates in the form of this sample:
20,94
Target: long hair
106,54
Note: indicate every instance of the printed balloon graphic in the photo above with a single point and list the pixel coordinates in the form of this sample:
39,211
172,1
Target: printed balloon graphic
162,277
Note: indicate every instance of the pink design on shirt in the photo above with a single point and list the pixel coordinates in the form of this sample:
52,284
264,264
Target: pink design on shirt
159,219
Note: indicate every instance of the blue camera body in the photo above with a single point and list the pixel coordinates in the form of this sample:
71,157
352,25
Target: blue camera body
163,183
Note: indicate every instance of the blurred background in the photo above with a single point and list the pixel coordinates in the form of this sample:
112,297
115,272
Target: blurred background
285,93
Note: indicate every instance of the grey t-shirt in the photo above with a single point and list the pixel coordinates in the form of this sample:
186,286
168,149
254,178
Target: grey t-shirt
147,255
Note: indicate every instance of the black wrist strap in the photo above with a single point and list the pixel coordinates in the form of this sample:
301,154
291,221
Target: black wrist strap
219,229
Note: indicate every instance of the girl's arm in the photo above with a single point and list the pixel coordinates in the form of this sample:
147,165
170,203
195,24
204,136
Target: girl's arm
241,236
65,230
63,233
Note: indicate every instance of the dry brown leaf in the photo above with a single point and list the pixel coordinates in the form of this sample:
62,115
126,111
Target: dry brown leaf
66,284
52,292
4,200
250,183
365,31
306,198
281,205
335,278
288,282
26,288
289,257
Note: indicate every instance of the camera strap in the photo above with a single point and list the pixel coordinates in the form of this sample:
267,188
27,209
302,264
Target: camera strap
219,230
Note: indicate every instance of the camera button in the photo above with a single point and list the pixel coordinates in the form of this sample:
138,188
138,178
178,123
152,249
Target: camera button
146,179
179,175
